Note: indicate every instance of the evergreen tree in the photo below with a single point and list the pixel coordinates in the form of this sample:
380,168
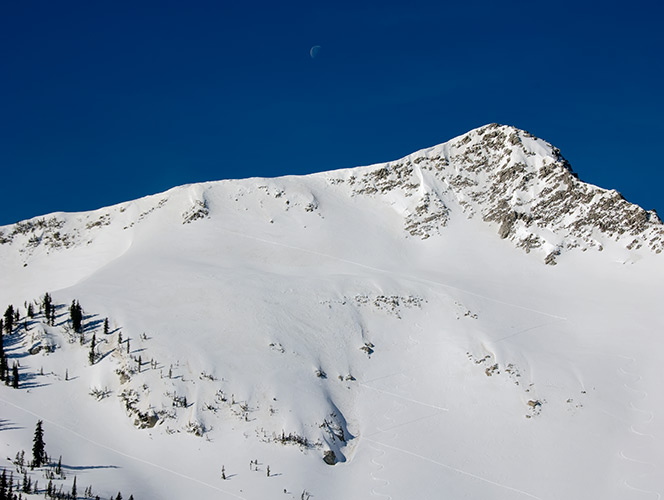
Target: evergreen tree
73,489
3,485
106,326
76,316
92,356
4,367
31,311
9,320
26,483
119,497
48,308
15,376
38,446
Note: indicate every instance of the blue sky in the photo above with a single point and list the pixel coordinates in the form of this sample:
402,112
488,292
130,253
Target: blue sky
103,102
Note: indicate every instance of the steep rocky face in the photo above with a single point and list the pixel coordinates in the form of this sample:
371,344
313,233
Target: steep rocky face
513,181
518,183
530,190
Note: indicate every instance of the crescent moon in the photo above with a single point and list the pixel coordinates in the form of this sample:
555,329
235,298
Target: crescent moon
314,51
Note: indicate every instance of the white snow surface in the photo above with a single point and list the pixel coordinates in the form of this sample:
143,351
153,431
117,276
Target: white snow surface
374,312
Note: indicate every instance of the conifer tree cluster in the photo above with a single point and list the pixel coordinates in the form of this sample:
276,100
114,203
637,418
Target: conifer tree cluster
7,491
76,315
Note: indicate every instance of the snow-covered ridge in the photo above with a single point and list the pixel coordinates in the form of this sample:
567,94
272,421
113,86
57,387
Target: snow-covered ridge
518,184
363,332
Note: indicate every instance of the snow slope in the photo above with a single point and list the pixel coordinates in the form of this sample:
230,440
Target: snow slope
405,321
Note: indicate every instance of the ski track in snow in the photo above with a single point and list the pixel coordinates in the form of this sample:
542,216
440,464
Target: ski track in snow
387,393
374,474
644,395
121,453
393,273
454,469
440,409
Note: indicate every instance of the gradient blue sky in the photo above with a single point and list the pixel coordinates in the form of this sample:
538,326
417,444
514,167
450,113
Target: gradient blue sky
103,102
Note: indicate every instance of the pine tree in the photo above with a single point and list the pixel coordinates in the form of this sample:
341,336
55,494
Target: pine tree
119,497
31,311
76,316
38,446
49,310
106,326
4,368
27,483
73,489
2,353
3,485
15,376
9,320
92,354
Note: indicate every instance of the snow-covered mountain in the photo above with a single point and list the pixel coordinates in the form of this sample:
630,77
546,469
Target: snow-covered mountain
398,331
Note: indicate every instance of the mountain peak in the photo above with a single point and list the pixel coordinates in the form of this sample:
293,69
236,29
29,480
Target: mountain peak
518,184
